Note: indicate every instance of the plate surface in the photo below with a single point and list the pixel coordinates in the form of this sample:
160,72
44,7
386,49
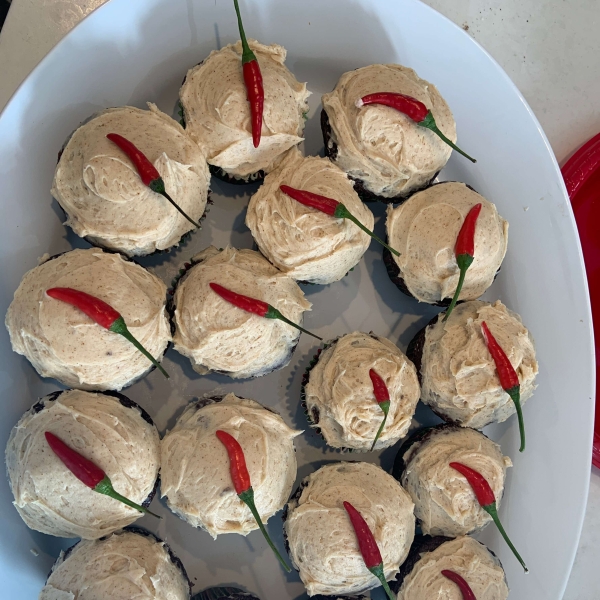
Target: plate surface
133,51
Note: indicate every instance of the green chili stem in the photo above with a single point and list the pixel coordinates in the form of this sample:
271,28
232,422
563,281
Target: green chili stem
273,313
515,394
429,123
346,214
378,572
158,186
247,54
105,487
385,407
493,512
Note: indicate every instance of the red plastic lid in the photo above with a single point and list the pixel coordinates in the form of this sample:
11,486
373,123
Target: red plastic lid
582,178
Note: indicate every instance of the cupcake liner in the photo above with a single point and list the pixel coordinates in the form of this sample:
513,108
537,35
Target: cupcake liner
224,593
223,175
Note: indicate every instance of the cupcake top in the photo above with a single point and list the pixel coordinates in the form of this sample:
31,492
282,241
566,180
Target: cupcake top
424,230
122,566
459,377
216,335
64,343
115,437
305,243
195,475
102,193
322,542
217,112
445,503
379,145
339,392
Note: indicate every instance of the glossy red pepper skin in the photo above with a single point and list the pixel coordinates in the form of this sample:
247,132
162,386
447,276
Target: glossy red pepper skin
382,396
463,586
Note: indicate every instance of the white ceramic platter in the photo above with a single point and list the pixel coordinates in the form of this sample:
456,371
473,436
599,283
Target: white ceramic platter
133,51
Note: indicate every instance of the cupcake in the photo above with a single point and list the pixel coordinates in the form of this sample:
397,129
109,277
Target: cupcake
216,335
224,593
216,111
62,342
387,154
320,537
304,243
424,230
339,393
195,475
108,429
131,563
103,196
459,380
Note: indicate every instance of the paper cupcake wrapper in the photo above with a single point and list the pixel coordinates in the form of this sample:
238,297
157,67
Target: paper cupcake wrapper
224,593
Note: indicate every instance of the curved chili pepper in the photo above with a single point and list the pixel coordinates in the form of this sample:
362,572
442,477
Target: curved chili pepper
103,314
413,109
88,473
485,496
243,485
464,252
382,395
253,81
252,305
368,547
331,207
463,586
509,380
146,170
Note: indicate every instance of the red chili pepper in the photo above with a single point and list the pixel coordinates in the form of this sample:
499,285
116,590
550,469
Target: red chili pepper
463,586
257,307
509,380
243,485
464,251
101,313
87,472
413,109
486,499
253,81
382,395
331,207
146,170
368,547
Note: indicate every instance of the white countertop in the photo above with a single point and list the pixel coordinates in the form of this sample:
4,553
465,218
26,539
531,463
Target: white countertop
550,49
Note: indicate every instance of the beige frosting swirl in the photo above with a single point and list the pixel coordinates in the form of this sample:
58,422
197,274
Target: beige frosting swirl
341,391
305,243
216,335
424,230
103,195
379,145
444,501
195,475
64,343
116,438
465,556
459,378
217,111
321,539
124,566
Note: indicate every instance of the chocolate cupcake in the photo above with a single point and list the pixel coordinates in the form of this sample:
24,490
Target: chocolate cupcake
224,593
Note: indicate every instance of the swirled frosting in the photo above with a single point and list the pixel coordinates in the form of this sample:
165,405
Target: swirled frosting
341,392
459,378
124,566
322,542
49,497
424,230
216,335
379,145
305,243
217,112
444,501
104,198
62,342
465,556
195,475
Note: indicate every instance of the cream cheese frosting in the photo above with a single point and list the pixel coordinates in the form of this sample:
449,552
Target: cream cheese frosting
195,475
340,390
305,243
124,566
424,230
322,542
62,342
216,335
217,112
465,556
49,497
444,501
379,145
104,198
459,378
